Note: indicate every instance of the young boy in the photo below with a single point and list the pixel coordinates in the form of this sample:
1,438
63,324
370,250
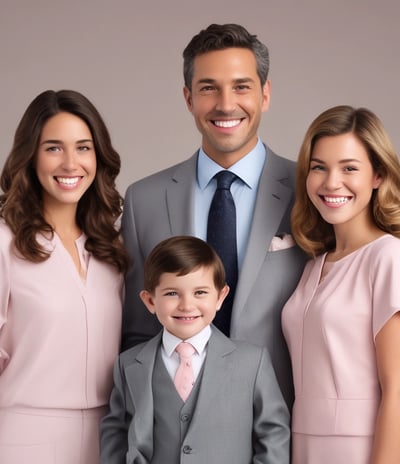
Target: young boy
231,410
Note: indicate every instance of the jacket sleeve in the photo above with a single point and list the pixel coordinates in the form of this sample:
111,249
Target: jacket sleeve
271,430
138,325
115,425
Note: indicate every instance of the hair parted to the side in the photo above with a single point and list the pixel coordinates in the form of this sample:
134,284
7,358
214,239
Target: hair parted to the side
219,37
181,255
311,232
21,201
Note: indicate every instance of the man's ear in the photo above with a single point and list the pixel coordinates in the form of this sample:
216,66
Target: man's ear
148,300
188,98
266,95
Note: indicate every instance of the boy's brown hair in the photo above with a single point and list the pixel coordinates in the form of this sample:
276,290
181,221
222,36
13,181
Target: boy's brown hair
181,255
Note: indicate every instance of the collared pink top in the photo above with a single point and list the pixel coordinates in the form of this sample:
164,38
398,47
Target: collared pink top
330,328
59,334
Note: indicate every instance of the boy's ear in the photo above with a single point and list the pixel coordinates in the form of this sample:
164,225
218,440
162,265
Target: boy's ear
222,295
147,299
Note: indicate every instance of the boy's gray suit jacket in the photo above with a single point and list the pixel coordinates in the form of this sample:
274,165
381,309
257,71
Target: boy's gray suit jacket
240,414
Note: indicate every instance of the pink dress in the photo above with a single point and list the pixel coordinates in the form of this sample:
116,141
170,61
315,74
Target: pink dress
59,337
330,328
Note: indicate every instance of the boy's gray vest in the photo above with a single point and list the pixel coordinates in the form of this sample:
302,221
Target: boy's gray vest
172,416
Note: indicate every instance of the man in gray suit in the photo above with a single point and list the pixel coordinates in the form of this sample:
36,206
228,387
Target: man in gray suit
226,90
231,409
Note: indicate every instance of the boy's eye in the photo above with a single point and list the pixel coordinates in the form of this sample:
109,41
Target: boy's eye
171,294
201,292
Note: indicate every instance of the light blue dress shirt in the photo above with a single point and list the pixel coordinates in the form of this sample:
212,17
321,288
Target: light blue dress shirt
244,191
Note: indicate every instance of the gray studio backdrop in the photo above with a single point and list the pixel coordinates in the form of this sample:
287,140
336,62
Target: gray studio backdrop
125,55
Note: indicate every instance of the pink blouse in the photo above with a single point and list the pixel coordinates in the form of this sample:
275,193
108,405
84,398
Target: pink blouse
59,334
330,327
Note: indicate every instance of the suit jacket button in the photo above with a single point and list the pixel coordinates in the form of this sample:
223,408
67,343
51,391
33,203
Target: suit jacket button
185,417
187,449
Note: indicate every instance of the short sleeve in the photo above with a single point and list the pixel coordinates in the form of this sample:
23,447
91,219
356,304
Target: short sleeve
385,283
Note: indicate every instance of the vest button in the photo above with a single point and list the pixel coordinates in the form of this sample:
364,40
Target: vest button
187,449
185,417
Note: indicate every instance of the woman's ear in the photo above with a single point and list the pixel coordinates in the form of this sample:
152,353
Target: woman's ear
377,181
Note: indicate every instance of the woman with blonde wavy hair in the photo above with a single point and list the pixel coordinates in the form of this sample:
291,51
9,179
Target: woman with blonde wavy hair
61,265
342,323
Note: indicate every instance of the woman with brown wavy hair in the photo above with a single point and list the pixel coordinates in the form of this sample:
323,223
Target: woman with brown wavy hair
61,261
342,323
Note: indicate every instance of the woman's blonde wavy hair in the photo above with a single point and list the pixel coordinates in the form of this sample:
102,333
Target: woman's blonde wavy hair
311,232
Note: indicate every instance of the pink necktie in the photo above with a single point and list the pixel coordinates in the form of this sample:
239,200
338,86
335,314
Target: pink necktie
184,377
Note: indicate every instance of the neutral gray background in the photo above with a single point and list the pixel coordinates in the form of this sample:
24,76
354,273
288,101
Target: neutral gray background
125,55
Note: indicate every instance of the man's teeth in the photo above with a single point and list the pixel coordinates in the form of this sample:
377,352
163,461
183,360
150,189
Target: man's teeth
68,180
336,199
231,123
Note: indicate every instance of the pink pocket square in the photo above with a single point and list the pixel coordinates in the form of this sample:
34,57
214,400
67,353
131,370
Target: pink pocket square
281,243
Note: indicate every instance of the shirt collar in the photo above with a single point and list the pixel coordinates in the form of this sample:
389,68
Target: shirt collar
248,168
199,341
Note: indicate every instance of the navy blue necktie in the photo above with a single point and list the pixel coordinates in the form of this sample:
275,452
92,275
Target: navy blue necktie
221,235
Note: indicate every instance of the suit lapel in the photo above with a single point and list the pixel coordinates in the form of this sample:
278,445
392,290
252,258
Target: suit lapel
272,201
180,198
217,371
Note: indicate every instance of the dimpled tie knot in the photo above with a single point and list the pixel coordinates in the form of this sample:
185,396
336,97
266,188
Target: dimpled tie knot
184,377
221,235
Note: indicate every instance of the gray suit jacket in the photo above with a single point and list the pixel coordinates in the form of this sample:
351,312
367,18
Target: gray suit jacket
240,416
161,206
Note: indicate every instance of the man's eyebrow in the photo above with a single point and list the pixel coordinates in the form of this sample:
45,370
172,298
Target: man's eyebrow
243,80
206,80
239,80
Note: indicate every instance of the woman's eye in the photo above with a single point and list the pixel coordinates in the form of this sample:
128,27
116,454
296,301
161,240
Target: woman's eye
317,167
52,149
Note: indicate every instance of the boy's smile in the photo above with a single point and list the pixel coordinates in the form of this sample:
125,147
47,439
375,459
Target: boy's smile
185,304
